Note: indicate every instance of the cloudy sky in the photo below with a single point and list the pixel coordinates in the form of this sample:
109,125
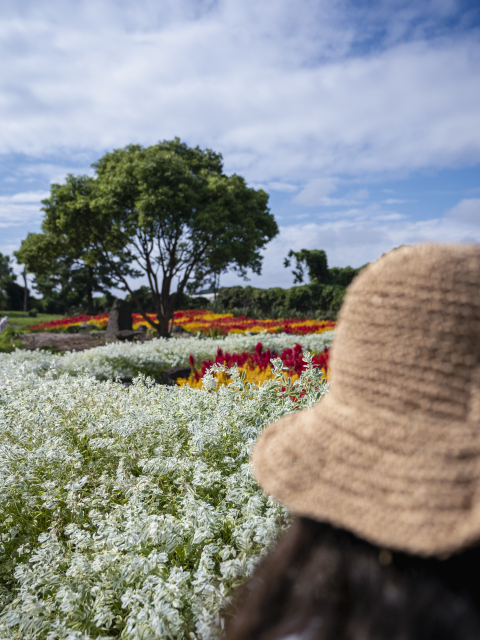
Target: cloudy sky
360,118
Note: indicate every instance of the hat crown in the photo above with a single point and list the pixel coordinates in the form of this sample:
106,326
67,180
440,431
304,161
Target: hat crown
408,337
392,452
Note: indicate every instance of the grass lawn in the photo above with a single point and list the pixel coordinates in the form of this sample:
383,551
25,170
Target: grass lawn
20,320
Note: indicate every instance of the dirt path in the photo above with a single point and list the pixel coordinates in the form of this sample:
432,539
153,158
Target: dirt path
63,341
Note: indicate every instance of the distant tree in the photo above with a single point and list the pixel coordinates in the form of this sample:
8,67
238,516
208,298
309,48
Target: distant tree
66,275
12,295
144,296
68,272
315,262
7,278
167,212
142,299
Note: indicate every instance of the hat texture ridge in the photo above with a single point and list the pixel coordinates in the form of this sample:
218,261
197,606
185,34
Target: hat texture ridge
392,452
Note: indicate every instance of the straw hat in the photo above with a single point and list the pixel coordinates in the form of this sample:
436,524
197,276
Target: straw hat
392,452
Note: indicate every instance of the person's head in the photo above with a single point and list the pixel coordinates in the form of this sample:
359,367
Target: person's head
384,471
324,583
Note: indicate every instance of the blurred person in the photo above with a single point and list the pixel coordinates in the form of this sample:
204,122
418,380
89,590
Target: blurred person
383,474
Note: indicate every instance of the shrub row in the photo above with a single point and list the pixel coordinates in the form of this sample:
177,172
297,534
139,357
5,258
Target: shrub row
309,300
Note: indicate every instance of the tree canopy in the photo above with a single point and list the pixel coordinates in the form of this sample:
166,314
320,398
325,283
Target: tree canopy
167,212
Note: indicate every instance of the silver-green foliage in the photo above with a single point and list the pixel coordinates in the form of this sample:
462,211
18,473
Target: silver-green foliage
132,513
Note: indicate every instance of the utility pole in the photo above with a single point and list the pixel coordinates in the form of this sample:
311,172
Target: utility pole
216,284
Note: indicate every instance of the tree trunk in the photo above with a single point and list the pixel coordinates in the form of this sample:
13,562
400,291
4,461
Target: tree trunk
163,319
90,309
163,325
25,291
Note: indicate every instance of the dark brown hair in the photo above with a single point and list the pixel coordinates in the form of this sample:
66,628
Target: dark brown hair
323,583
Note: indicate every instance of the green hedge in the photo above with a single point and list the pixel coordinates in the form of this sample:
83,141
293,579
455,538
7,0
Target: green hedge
315,300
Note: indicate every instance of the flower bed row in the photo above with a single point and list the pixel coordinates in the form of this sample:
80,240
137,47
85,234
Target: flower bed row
99,321
257,365
152,357
206,322
201,321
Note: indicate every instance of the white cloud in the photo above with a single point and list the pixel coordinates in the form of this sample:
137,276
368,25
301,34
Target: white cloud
275,86
21,208
282,186
8,248
467,211
316,191
27,197
33,171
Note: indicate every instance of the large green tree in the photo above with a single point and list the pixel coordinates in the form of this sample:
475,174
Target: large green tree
167,212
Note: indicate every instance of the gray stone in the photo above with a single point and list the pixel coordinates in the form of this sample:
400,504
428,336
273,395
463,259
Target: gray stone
86,327
169,376
120,317
178,329
127,334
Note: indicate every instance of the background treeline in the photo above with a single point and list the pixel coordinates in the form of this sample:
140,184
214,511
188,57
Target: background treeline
320,298
309,301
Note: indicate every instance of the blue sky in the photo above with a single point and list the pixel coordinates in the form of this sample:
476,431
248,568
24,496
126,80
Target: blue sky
360,119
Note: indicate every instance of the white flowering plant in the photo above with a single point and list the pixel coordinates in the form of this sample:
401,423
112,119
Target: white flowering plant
131,513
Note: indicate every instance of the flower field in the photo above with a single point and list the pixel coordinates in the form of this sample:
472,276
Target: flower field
201,321
128,359
132,513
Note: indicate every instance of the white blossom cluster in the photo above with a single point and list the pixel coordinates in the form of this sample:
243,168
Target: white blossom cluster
131,513
128,359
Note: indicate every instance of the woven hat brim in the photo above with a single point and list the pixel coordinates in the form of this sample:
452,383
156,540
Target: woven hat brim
395,493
